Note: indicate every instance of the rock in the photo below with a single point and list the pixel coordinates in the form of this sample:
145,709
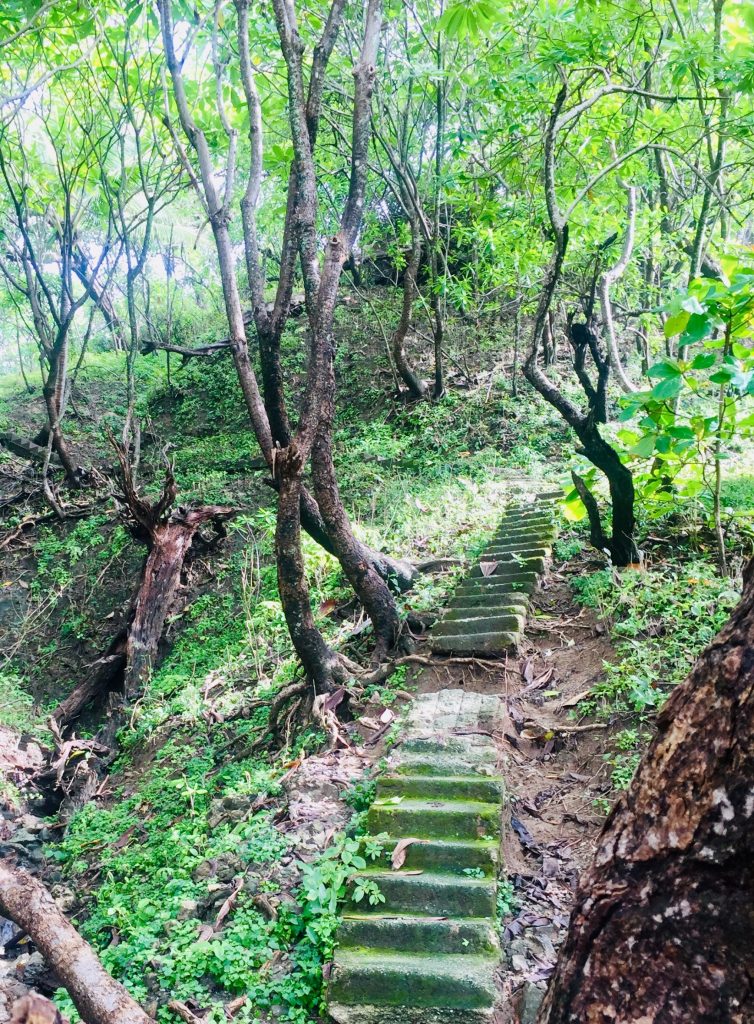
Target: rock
65,898
188,911
31,968
531,1000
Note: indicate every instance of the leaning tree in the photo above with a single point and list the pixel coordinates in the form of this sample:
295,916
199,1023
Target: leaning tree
288,450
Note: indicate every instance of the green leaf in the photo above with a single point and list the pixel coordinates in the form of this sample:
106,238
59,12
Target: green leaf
703,361
668,388
644,446
723,376
665,368
676,324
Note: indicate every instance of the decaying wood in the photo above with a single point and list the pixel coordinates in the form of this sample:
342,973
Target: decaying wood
661,931
98,997
169,535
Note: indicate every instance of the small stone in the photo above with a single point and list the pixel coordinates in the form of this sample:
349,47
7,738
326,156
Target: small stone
531,1000
188,910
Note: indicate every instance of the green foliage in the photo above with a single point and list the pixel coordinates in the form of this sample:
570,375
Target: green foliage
661,620
697,412
506,901
18,710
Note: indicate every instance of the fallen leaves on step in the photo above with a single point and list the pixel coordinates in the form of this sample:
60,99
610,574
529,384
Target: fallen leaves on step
488,568
398,858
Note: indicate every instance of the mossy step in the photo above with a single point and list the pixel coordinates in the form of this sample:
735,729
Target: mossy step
512,568
519,520
514,598
441,745
480,623
420,980
475,643
342,1014
504,542
445,764
460,936
453,857
435,819
436,894
538,533
512,583
443,787
514,559
487,604
509,573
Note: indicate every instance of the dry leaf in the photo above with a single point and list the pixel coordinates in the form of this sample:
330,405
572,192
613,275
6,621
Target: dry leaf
328,607
225,908
369,723
398,858
488,568
571,702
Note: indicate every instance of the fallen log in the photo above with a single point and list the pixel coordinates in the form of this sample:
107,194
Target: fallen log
97,996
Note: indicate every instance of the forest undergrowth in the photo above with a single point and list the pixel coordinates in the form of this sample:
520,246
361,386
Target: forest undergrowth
181,872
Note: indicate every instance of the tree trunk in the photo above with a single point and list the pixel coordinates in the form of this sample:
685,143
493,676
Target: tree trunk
316,657
171,541
661,931
54,397
416,386
371,590
96,995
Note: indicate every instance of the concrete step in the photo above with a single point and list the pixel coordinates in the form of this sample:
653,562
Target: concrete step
523,583
442,787
479,623
509,557
511,569
453,857
443,764
516,530
462,936
435,819
513,599
438,895
343,1014
516,544
475,643
487,604
375,978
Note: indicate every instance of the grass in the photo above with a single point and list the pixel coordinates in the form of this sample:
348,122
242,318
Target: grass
660,620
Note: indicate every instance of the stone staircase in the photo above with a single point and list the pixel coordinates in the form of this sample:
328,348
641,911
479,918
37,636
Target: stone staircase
429,953
487,612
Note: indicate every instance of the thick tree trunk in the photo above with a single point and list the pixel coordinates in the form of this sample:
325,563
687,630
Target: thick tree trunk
664,917
54,397
316,657
371,590
96,995
620,544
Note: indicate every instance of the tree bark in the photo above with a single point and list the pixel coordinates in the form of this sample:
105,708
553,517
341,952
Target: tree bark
416,386
661,931
171,541
96,995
